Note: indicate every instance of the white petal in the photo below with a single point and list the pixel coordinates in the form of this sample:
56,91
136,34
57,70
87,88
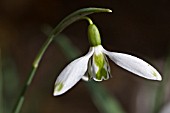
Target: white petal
134,65
72,74
85,78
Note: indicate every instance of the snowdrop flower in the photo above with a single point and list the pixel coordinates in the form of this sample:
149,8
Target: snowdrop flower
94,65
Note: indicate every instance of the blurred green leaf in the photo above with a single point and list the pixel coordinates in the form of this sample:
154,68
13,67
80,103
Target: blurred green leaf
1,87
160,91
69,50
10,83
101,98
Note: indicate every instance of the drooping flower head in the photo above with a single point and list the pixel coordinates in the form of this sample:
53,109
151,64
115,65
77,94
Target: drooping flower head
94,65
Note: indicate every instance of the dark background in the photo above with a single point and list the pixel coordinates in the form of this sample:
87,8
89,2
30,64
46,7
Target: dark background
137,27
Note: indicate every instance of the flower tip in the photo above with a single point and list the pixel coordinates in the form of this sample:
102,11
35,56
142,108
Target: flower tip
55,94
159,78
157,75
58,89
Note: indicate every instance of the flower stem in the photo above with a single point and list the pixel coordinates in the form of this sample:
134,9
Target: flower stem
75,16
88,19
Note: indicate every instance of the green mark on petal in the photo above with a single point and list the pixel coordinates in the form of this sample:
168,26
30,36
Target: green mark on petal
59,86
154,73
101,73
100,62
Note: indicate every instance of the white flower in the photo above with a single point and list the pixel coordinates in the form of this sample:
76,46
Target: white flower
95,65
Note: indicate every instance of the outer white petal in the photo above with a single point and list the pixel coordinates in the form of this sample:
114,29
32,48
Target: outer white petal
72,73
134,65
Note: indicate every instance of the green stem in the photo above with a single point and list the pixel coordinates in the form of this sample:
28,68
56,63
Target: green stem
75,16
1,86
88,19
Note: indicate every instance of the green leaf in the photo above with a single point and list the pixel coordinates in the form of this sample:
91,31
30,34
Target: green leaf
69,50
161,89
103,100
1,87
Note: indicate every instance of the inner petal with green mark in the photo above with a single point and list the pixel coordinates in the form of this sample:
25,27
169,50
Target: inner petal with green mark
100,67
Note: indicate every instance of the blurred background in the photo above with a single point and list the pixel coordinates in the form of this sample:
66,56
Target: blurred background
140,28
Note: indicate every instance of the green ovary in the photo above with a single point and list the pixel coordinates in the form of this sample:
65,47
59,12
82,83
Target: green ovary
99,60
